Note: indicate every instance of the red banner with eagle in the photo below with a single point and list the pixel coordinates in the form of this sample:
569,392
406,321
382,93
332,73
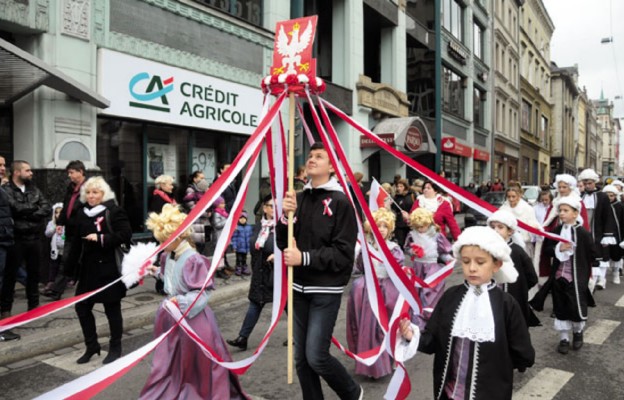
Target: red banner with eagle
293,47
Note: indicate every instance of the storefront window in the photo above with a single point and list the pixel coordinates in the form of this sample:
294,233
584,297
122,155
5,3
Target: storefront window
452,93
249,10
452,165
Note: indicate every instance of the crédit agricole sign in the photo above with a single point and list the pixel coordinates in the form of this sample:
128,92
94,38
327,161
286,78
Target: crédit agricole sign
148,90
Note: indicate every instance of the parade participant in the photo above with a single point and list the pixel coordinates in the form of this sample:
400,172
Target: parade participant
261,286
241,240
72,206
179,369
363,330
101,227
322,257
403,201
429,251
506,225
522,211
541,207
570,274
601,224
439,206
30,211
615,251
477,332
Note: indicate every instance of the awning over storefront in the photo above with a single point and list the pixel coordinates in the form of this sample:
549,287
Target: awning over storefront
21,73
411,136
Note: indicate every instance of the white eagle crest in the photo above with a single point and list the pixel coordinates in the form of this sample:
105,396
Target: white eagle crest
291,50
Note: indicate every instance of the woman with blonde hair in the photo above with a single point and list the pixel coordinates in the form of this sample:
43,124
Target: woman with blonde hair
101,227
425,245
163,193
180,370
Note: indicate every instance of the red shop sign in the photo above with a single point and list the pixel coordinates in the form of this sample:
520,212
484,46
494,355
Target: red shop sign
481,155
452,146
366,143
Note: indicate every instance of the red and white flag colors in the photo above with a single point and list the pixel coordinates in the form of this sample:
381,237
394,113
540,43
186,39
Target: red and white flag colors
378,197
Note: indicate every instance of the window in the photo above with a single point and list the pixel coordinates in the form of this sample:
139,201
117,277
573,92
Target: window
478,40
526,116
477,107
248,10
543,131
537,122
452,18
452,93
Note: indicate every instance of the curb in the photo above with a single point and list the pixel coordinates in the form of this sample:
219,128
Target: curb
47,340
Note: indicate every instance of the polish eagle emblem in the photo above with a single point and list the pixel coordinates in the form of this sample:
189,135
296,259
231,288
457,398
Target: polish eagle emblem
290,50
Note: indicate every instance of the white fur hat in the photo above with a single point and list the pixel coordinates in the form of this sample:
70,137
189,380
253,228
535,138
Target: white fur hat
572,201
567,178
504,217
611,188
618,183
490,241
588,174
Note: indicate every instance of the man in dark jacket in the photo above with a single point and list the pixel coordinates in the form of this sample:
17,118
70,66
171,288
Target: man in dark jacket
6,241
30,212
322,256
71,206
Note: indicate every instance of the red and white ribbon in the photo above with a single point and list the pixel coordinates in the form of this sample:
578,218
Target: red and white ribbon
326,210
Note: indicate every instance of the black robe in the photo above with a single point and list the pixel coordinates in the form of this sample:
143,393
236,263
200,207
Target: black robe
490,372
615,251
527,278
570,299
602,224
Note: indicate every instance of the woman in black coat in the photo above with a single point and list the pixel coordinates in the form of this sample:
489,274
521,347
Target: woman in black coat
101,227
261,287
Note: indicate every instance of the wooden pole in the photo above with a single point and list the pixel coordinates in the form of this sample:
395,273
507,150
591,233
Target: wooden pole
291,233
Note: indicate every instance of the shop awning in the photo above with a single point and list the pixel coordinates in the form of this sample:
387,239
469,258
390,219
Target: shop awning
21,73
411,136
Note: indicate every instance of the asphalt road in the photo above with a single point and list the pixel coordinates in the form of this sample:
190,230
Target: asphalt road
595,371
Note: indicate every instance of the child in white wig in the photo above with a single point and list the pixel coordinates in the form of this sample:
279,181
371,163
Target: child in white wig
615,251
570,273
477,331
506,225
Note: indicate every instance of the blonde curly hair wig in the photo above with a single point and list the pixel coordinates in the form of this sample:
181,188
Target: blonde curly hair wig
386,216
164,224
422,217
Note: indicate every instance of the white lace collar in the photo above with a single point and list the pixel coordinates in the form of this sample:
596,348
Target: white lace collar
474,319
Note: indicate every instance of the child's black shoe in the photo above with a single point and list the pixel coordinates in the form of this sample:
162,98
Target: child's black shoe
564,347
577,340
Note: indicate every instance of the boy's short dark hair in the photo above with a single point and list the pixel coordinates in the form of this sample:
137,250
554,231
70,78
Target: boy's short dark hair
317,146
76,165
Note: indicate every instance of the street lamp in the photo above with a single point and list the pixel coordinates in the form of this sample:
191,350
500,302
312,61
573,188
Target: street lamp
606,40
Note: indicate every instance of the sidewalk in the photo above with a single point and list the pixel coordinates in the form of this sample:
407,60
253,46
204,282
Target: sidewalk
62,329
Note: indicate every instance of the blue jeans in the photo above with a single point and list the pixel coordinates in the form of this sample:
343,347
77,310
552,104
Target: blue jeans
251,318
314,321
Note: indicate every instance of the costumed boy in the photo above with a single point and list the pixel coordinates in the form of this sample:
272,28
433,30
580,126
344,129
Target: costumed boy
477,332
180,370
506,225
429,251
572,262
363,330
615,251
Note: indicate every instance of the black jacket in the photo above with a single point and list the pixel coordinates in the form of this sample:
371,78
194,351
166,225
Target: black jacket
527,278
326,231
6,220
405,201
491,365
70,223
30,211
93,264
261,286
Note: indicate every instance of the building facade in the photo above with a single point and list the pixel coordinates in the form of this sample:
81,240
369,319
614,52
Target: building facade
506,89
564,96
536,29
609,134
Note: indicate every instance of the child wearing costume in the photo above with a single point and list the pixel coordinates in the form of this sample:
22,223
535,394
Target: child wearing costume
363,330
180,370
615,251
572,263
506,225
429,251
477,332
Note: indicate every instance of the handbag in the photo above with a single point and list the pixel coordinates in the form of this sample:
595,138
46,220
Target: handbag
120,250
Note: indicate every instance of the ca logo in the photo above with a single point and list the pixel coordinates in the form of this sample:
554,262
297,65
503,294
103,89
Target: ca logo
156,88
